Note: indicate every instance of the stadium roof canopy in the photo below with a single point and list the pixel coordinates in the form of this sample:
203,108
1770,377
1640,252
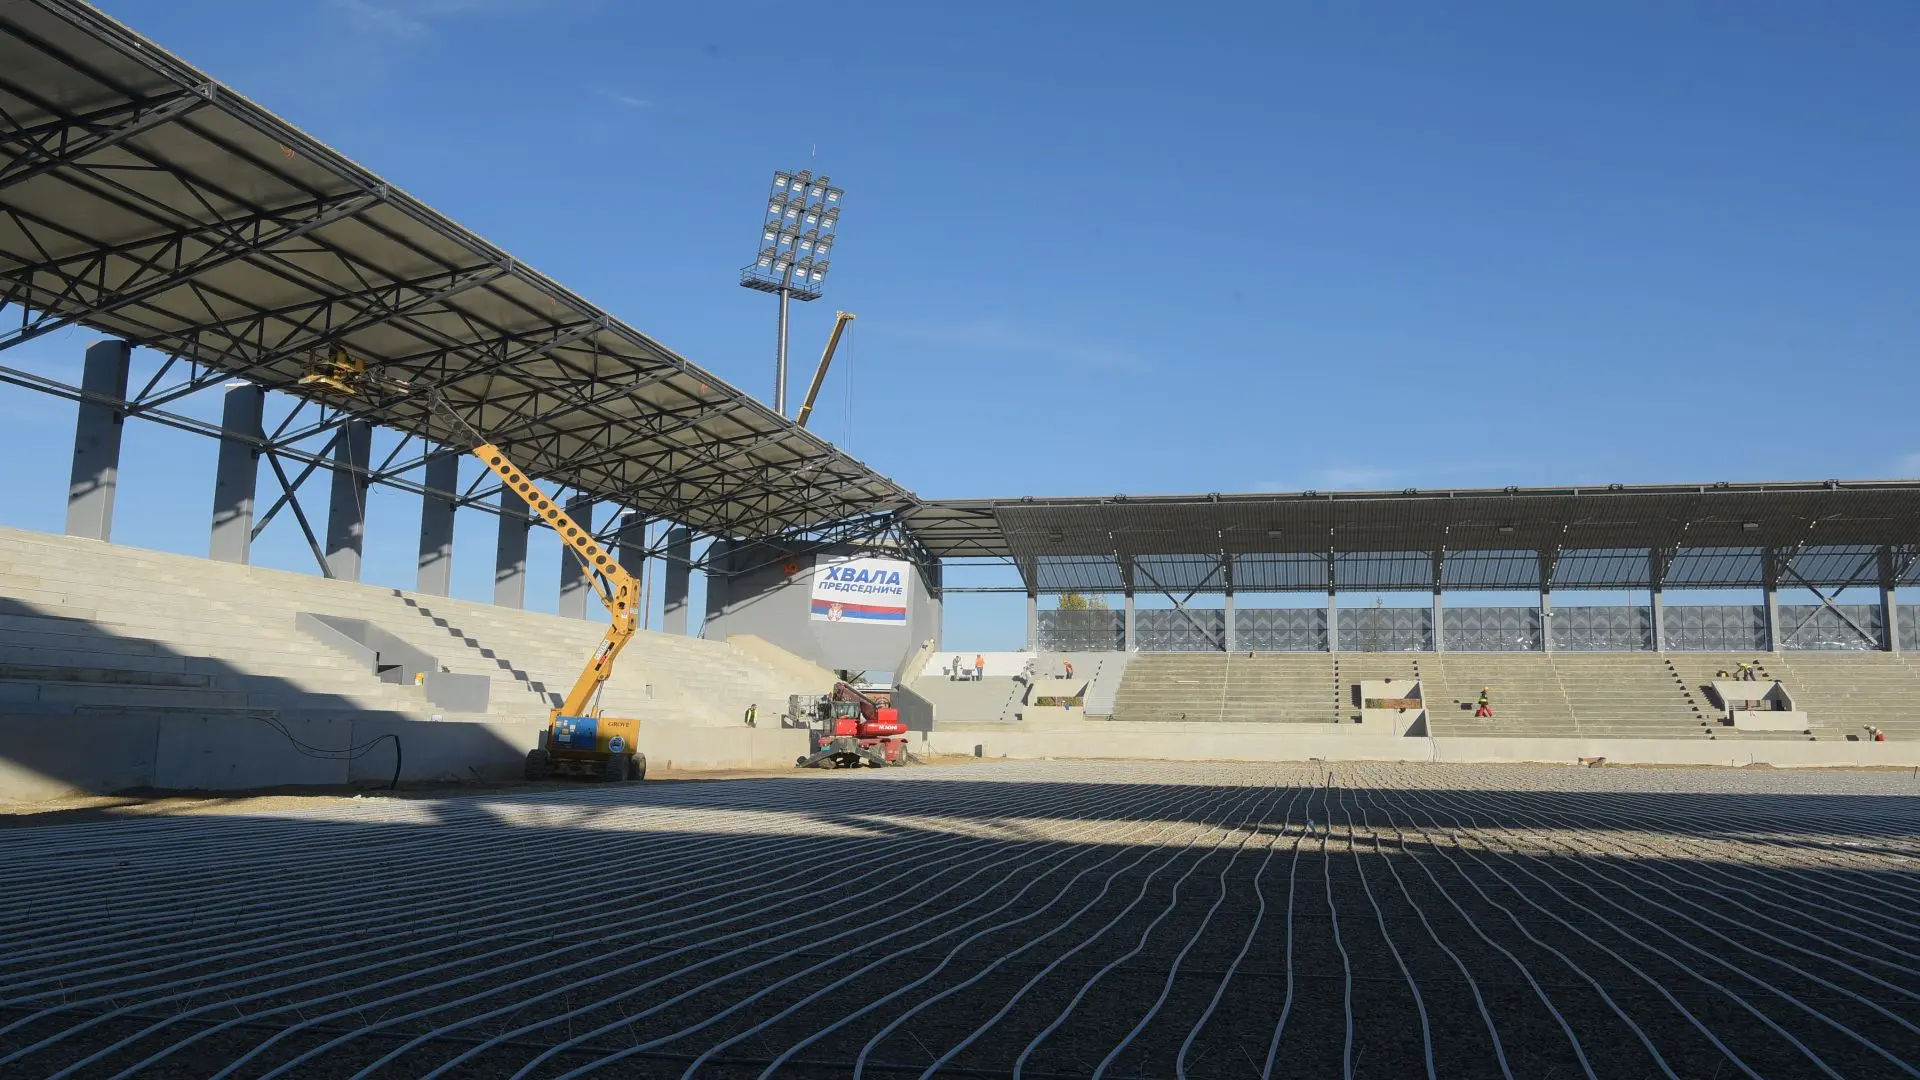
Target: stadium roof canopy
142,199
1825,535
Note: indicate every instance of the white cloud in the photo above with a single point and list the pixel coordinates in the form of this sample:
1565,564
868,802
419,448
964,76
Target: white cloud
994,336
638,104
412,20
378,21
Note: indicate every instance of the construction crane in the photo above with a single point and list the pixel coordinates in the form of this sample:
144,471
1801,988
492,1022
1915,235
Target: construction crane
580,741
840,321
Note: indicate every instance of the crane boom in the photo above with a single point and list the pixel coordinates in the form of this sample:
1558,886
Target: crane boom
616,588
840,321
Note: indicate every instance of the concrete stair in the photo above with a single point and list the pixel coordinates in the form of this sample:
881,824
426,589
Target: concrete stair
1844,692
76,606
1229,688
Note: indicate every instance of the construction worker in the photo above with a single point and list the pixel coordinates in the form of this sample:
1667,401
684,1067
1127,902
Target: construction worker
753,713
1485,709
979,667
1069,667
1745,672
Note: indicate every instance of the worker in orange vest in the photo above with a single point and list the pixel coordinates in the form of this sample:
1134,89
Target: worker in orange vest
979,667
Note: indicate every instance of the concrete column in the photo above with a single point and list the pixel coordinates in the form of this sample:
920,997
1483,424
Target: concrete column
1772,586
679,580
1333,622
435,573
347,509
236,473
1658,603
1889,603
1228,640
630,544
1033,621
1439,623
575,583
1132,638
96,442
510,551
1546,604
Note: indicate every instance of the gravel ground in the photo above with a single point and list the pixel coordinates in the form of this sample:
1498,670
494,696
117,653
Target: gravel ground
1042,919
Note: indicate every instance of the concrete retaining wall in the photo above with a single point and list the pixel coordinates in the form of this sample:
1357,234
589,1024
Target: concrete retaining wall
1232,742
46,757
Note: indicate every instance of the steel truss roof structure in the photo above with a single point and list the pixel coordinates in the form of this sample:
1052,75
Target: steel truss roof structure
140,198
1822,535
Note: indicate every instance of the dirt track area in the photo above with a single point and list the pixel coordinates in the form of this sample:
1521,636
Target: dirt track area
1040,919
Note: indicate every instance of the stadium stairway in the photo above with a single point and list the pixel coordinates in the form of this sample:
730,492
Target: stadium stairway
1236,688
93,627
1844,692
1350,669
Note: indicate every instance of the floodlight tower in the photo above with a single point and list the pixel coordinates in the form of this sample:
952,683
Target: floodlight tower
796,235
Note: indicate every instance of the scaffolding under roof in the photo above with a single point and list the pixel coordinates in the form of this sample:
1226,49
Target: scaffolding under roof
142,199
1700,536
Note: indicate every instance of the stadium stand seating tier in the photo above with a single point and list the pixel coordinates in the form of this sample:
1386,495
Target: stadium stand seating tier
94,627
1643,695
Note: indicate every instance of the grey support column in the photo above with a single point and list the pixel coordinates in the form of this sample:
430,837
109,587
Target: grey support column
1546,603
1333,621
679,580
96,442
435,575
1657,602
1132,638
1656,597
235,474
1228,639
1771,582
1439,608
1889,603
510,552
630,546
347,509
1033,621
574,581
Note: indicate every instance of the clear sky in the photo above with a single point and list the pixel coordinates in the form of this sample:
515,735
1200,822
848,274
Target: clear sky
1137,247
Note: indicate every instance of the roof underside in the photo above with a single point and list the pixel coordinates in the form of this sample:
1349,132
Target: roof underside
141,199
1711,536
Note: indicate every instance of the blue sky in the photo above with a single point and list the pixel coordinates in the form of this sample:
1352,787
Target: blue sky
1160,248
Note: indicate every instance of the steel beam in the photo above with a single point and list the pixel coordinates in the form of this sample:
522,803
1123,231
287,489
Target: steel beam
96,442
237,475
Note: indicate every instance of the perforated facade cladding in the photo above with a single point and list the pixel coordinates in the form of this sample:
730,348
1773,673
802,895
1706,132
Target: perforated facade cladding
1280,629
1386,629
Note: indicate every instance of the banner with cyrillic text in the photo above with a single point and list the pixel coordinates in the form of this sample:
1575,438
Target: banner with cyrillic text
860,590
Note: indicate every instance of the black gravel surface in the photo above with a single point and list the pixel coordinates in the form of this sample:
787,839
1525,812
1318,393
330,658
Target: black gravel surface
1037,919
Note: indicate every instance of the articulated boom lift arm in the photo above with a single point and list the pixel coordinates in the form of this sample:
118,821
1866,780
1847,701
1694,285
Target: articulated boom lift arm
615,587
840,321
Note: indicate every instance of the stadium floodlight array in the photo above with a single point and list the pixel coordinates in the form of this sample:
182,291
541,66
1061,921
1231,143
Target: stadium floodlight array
797,234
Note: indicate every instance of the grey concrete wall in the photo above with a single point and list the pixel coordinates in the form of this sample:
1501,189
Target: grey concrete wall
47,757
748,592
1232,742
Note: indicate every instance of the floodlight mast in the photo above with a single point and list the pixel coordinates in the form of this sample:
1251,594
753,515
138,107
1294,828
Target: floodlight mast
796,234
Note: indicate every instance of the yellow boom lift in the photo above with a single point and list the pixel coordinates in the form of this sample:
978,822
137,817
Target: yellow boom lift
840,321
580,741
